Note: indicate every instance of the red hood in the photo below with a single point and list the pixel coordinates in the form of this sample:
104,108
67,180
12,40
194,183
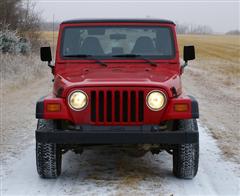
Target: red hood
119,74
160,76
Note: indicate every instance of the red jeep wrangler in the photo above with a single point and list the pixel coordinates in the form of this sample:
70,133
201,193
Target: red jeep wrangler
117,83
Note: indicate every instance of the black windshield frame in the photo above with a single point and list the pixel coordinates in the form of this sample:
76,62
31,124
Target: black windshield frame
108,57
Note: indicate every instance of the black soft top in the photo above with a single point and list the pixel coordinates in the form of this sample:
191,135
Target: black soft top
119,20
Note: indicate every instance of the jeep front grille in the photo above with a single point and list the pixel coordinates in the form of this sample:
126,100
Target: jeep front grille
117,106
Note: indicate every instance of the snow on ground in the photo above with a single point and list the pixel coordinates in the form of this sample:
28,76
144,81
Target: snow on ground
109,172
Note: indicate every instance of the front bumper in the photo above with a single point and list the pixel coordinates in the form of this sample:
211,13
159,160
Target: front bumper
87,134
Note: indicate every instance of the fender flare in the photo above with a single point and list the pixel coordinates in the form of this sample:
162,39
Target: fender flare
40,108
194,106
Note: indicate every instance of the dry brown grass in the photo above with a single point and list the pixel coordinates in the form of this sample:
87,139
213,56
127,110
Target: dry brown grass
48,36
220,53
18,70
225,47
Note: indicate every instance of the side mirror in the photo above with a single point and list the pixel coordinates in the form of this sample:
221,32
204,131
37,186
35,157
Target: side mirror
188,53
45,53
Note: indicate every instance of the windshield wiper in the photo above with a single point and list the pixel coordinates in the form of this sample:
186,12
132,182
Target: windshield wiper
136,56
87,56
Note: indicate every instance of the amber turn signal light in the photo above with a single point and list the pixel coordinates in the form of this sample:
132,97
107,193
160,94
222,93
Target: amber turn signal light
181,107
53,107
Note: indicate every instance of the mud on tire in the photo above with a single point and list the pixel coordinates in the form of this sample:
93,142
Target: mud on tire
186,156
48,156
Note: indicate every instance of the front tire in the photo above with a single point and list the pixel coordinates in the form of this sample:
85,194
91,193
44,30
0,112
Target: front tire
48,155
186,156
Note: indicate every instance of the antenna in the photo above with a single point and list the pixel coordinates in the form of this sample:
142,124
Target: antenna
53,35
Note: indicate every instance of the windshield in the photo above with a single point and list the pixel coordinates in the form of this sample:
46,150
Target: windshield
113,41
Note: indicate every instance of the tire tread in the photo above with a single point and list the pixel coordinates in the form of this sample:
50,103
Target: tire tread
186,156
48,155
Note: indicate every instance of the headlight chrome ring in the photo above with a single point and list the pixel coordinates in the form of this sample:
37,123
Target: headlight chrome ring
159,102
80,100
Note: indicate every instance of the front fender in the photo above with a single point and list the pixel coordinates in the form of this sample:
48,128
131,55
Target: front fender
192,112
43,113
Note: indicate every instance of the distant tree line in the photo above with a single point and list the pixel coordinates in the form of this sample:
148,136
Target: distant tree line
233,32
20,17
199,29
193,29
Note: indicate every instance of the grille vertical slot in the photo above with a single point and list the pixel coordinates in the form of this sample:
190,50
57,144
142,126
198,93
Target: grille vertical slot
101,106
117,106
93,106
125,106
109,106
133,106
141,105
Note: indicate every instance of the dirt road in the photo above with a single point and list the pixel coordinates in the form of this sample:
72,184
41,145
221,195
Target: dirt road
100,172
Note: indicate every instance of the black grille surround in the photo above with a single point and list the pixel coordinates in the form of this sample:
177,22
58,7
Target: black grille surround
117,106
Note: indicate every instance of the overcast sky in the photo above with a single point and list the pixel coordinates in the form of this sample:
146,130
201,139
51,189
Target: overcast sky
221,15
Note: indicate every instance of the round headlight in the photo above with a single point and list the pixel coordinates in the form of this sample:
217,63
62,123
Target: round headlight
156,100
78,100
